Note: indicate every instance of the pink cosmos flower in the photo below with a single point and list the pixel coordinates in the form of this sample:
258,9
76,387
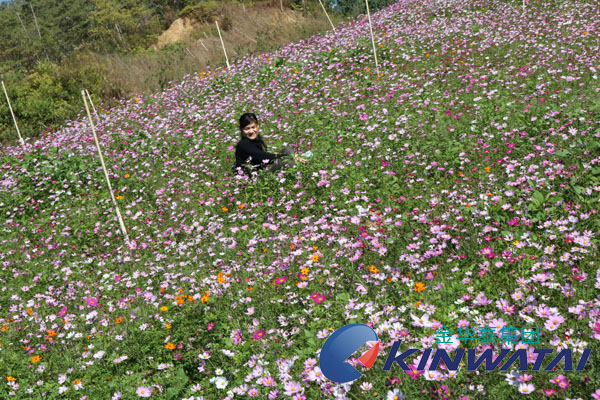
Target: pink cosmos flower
144,391
281,280
259,334
526,388
320,298
413,373
92,302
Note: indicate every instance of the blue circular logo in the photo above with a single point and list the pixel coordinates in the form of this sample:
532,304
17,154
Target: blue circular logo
341,345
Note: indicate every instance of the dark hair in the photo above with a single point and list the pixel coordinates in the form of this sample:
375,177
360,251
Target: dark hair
247,119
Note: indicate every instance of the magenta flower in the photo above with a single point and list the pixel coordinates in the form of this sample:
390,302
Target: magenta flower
62,312
319,299
92,302
259,334
210,326
281,280
413,373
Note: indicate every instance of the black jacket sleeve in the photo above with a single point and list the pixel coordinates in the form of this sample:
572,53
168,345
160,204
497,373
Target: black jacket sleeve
247,148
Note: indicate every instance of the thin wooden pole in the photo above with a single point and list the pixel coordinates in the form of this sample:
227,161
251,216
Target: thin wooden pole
202,43
327,15
36,23
13,115
38,29
112,196
372,39
91,102
21,21
223,45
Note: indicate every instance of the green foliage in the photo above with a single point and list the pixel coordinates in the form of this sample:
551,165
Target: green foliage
356,7
121,24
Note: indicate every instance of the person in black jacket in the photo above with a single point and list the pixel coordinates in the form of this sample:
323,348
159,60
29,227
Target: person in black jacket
252,146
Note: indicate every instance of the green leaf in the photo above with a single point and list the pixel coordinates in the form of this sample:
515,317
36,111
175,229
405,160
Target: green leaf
538,198
343,296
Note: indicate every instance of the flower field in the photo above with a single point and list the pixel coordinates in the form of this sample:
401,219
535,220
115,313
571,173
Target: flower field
457,186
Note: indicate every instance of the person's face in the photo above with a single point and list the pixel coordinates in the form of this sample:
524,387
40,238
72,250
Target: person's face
251,130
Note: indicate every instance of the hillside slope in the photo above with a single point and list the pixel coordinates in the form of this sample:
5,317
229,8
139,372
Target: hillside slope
457,187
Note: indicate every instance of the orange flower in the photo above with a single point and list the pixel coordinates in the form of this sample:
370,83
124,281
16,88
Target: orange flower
35,359
224,209
315,248
76,381
373,269
460,174
292,246
168,326
304,271
29,311
118,320
127,175
315,258
220,278
10,378
250,288
5,328
170,346
419,287
119,197
241,206
205,298
51,333
487,169
468,205
164,308
191,299
180,301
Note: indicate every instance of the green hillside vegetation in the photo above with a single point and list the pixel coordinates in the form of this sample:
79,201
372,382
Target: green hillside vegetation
51,50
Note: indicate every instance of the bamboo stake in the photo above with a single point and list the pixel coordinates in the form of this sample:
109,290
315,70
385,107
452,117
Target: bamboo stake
13,115
38,29
36,23
112,196
223,45
327,15
21,21
91,102
372,39
202,43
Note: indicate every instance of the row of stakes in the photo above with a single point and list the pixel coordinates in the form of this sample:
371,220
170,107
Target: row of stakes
86,96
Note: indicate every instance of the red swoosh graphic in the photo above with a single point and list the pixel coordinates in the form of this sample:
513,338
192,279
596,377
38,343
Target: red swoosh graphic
368,359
